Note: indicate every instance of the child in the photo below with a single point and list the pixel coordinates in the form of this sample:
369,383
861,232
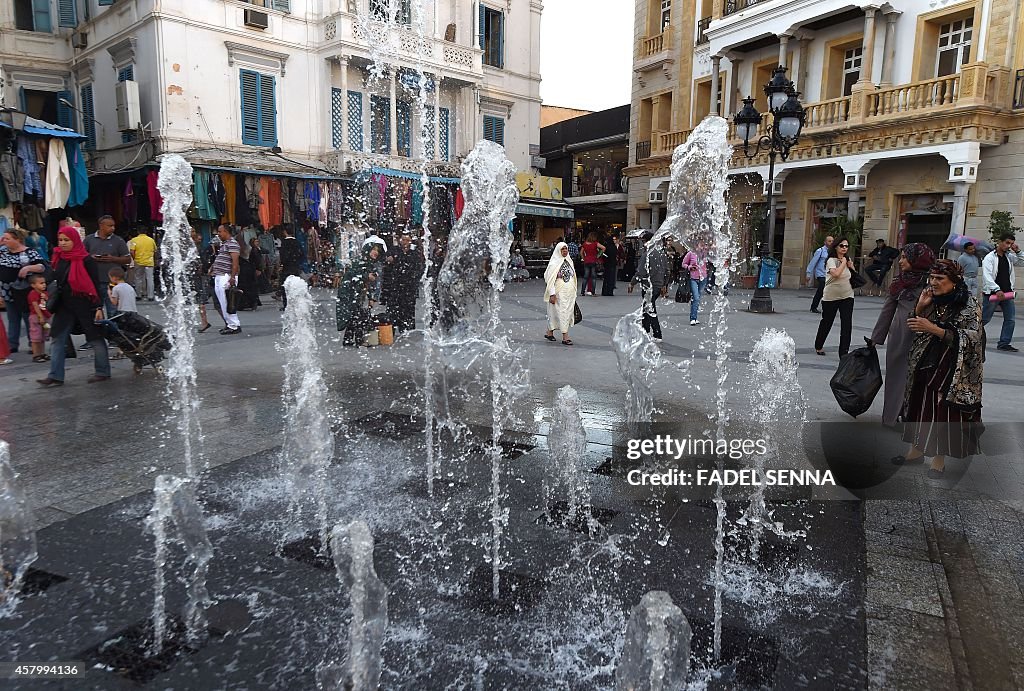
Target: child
38,318
122,295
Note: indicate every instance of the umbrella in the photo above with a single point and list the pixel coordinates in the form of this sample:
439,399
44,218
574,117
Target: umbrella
375,240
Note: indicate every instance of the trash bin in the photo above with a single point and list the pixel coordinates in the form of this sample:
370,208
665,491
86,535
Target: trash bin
769,276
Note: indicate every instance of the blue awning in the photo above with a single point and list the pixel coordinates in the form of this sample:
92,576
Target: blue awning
390,172
46,129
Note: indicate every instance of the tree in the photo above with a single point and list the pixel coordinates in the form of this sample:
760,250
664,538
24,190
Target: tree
1000,225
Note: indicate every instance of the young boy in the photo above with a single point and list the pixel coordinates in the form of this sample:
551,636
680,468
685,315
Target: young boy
122,295
38,318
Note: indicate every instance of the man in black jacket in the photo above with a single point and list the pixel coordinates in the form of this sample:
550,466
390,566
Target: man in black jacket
882,258
291,261
651,272
405,264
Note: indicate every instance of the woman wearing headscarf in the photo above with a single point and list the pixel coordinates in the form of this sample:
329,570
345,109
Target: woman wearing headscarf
942,401
560,279
78,307
611,266
352,316
914,262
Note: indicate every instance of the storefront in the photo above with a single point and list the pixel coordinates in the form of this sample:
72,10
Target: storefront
541,215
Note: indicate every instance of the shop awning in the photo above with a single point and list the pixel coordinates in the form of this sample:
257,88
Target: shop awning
539,207
46,129
391,172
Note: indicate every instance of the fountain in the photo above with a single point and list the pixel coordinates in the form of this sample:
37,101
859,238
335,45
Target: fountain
638,358
174,502
17,534
656,656
181,257
352,547
567,441
308,441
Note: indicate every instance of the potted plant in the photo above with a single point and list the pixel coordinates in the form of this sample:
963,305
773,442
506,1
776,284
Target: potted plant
842,228
749,277
753,234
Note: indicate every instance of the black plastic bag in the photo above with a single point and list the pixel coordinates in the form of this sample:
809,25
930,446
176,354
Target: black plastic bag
857,381
683,292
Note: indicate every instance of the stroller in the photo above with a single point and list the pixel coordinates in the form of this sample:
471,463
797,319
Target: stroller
142,341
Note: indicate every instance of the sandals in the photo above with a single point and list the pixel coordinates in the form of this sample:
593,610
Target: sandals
40,358
568,342
205,328
550,338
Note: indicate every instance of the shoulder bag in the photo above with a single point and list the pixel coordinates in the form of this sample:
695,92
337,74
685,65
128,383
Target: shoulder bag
577,314
856,280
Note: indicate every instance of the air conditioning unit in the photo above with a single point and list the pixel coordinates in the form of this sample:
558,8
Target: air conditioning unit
656,197
80,40
256,20
129,116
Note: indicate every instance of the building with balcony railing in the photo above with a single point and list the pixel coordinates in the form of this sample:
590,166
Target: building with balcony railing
324,86
913,110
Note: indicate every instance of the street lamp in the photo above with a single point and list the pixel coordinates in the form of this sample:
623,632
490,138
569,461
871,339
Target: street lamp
15,119
787,122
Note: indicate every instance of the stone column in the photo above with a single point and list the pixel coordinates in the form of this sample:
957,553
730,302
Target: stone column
343,63
394,111
734,91
853,205
437,118
655,221
961,190
867,65
889,47
784,49
716,66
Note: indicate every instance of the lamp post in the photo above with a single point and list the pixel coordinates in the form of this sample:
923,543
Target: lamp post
787,122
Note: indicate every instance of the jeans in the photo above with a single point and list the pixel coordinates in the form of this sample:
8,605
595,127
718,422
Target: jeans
108,306
696,290
828,317
877,272
15,318
589,278
220,287
1009,312
58,353
819,290
650,321
143,282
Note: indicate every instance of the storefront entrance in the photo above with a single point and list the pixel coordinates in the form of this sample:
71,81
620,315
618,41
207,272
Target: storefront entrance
924,218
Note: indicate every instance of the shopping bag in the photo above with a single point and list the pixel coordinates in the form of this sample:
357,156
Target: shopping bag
577,314
684,292
857,380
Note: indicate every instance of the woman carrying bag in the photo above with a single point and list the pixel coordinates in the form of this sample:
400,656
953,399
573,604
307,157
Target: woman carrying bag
837,297
560,294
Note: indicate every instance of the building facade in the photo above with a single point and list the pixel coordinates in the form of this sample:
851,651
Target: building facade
914,111
327,85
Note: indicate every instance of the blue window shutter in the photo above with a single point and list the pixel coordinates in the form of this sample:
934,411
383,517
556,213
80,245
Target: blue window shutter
250,89
499,131
268,110
483,26
88,115
41,16
444,117
22,101
403,111
65,114
67,16
105,3
355,120
500,57
281,5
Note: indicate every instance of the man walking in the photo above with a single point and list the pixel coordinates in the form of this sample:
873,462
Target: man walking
143,251
651,268
883,256
816,271
971,264
291,261
225,277
997,287
406,264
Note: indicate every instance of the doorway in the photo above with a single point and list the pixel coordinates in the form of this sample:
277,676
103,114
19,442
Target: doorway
930,228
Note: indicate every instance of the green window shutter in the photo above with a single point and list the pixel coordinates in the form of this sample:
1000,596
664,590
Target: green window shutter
268,110
66,14
483,27
41,16
250,87
499,42
65,114
494,129
106,3
355,121
88,115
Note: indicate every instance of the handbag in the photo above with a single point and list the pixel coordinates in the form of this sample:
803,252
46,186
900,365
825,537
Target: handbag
577,314
52,297
233,296
856,280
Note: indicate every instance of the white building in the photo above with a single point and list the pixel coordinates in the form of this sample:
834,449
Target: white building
237,83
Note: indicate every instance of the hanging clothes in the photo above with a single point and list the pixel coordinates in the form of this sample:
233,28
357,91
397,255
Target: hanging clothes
33,180
311,200
336,203
156,202
129,203
58,177
204,207
382,190
252,196
263,207
416,213
79,175
243,216
228,182
460,204
325,195
218,198
12,170
32,217
275,203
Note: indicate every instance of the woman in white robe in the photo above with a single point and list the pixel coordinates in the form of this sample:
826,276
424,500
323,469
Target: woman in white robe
560,279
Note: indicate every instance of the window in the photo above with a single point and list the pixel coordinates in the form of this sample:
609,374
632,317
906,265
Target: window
445,117
430,133
381,11
492,36
259,108
337,104
279,5
494,129
403,111
126,74
666,14
380,124
355,121
88,117
32,15
954,46
851,68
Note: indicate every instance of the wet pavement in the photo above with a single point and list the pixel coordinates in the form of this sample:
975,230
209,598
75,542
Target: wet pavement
941,563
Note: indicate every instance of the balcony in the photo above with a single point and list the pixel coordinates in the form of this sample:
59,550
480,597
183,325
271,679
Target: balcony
702,29
733,6
643,150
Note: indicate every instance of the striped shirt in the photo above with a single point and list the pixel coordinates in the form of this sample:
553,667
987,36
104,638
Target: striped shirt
222,264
